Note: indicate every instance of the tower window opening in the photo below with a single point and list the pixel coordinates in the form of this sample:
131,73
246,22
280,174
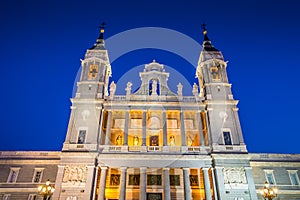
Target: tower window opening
215,73
227,138
81,136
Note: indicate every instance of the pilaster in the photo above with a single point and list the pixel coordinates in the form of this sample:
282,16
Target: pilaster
167,194
122,194
206,184
102,184
187,187
143,190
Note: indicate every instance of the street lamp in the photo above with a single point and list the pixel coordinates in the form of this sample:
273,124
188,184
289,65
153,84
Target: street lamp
267,192
46,190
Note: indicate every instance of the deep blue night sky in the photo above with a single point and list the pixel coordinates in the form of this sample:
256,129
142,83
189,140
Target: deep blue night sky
42,43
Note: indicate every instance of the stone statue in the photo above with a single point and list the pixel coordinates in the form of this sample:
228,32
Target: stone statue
119,140
189,141
135,140
179,89
112,89
154,87
172,140
195,90
128,88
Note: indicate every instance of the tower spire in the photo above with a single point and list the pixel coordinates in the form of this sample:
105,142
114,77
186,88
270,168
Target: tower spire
99,45
203,26
206,45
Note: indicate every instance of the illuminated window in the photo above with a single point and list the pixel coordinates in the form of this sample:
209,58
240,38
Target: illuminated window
294,177
115,179
194,180
13,174
175,180
32,197
270,177
227,138
154,179
134,179
37,175
81,136
154,140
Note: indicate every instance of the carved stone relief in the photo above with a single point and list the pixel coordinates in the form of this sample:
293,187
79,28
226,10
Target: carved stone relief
75,174
234,175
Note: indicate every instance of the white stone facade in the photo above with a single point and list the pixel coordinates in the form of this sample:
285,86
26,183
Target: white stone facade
152,143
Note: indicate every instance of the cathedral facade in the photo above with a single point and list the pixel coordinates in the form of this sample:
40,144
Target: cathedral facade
152,143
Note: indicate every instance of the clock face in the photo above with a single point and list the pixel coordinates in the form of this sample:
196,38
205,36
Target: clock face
93,72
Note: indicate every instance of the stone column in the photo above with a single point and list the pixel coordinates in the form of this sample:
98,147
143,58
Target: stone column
90,178
182,128
144,128
96,168
214,183
251,184
165,139
108,127
167,192
202,142
187,188
102,184
143,187
206,184
58,182
122,194
126,128
220,182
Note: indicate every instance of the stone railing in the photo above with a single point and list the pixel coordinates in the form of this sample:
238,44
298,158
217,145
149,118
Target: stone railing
154,98
162,149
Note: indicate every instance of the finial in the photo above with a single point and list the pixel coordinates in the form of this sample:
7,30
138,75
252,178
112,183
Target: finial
101,30
203,26
102,27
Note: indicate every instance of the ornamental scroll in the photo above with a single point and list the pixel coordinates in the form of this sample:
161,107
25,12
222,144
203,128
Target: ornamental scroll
234,175
75,174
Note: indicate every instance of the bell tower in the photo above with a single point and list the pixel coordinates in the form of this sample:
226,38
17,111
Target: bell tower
224,124
77,168
86,109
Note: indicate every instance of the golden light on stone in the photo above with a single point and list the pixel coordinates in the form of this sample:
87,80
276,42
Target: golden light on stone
102,30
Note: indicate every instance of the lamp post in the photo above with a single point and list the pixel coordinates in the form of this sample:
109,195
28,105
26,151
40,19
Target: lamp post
46,190
267,192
